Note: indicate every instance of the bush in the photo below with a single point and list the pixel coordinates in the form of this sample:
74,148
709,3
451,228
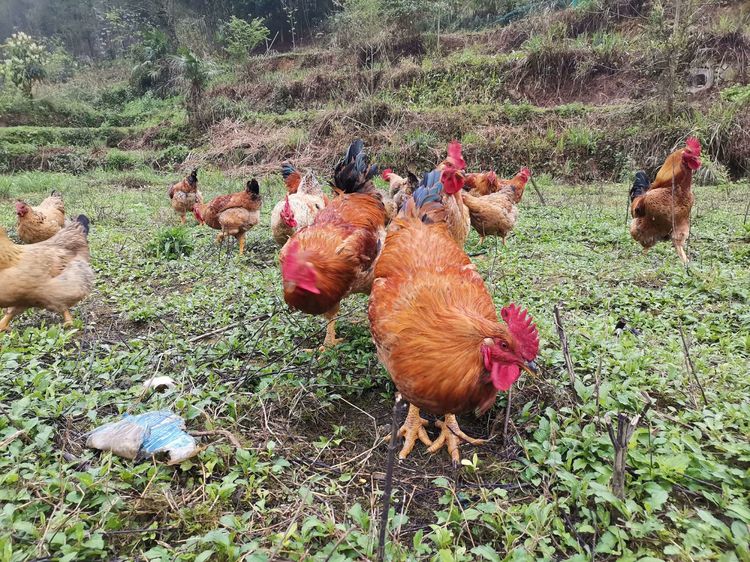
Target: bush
172,155
240,37
171,243
120,160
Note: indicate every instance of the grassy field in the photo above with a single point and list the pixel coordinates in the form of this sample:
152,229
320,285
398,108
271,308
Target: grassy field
306,483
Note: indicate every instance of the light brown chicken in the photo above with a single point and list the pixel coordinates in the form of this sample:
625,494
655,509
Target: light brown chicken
185,194
232,214
456,213
482,183
492,215
37,224
304,200
54,274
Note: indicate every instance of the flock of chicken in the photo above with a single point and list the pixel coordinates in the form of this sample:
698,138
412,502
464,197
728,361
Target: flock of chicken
432,318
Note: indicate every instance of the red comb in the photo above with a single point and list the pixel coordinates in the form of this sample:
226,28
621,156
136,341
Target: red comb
386,173
694,145
491,176
454,154
526,172
523,329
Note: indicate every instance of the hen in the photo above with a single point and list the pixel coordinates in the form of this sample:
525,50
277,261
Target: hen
661,209
185,194
435,326
450,185
334,256
482,183
232,214
54,274
304,200
37,224
400,188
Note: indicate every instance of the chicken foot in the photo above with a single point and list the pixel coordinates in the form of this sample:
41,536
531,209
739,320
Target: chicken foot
450,437
413,429
241,241
331,340
67,318
10,314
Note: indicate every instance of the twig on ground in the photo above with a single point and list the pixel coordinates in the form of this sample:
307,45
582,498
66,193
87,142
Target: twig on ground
564,344
507,415
388,485
538,191
625,429
223,432
690,366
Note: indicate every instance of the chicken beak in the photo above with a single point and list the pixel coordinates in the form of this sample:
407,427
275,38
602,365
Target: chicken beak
531,368
289,286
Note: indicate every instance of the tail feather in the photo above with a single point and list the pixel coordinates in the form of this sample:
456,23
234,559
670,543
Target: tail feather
354,172
640,185
83,220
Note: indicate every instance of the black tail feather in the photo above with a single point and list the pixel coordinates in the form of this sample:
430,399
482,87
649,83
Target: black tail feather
253,187
640,185
83,220
287,169
354,171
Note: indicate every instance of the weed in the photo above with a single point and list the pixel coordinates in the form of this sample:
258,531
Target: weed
171,243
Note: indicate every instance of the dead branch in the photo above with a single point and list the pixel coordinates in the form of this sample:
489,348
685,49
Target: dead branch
223,432
620,439
538,191
388,485
690,366
564,344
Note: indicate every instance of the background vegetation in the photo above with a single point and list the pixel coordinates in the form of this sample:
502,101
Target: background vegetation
110,101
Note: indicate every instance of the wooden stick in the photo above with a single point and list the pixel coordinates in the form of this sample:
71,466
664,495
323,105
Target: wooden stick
564,344
229,435
625,429
388,485
538,192
691,368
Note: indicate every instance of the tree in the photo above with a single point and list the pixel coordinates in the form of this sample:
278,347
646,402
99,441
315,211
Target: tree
192,75
24,62
241,36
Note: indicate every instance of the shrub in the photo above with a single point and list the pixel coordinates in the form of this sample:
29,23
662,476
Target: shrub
120,160
172,155
24,62
171,243
240,36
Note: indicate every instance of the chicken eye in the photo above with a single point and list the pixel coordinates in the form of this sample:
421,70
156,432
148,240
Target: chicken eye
504,346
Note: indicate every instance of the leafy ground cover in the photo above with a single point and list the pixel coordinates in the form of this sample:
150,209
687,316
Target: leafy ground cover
306,483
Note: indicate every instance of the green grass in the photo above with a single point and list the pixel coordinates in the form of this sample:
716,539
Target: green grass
308,478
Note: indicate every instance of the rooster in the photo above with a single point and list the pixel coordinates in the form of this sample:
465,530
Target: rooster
54,274
304,200
37,224
661,209
185,194
435,325
334,256
496,213
232,214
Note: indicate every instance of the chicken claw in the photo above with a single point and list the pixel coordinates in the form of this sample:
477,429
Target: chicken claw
67,319
451,436
413,429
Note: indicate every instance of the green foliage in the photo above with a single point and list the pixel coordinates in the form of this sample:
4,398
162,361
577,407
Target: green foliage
151,72
120,160
240,36
24,62
171,243
172,155
738,94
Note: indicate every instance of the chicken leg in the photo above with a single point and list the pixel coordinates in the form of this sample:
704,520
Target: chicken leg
331,340
451,436
413,429
10,314
241,240
67,318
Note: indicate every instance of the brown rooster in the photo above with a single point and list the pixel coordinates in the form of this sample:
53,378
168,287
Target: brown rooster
37,224
334,256
661,209
435,326
54,274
